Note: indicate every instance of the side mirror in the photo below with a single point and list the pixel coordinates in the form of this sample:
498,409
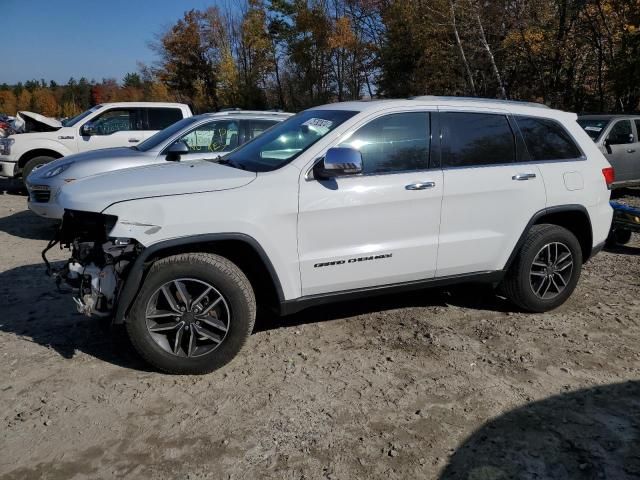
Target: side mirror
338,162
176,151
88,129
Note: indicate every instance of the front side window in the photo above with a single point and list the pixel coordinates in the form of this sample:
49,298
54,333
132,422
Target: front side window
621,133
160,118
473,139
117,120
393,143
547,139
285,141
162,136
218,136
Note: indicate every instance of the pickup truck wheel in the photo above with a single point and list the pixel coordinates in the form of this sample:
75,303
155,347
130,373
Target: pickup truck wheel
194,313
34,163
546,269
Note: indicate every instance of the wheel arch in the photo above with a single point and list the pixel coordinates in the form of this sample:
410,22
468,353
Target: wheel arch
239,248
38,152
574,218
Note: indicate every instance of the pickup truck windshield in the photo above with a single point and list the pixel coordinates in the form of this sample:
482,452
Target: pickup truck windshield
594,127
70,122
282,143
163,135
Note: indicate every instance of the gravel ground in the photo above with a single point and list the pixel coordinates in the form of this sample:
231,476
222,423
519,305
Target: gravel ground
446,383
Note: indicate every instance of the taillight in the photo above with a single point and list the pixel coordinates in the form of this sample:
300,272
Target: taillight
609,176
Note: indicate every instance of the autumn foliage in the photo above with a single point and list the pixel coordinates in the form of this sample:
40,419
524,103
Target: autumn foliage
579,55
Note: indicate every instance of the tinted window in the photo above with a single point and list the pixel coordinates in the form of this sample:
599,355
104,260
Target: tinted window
70,122
253,128
117,120
159,118
164,135
219,136
593,126
287,140
637,128
470,139
621,133
546,139
394,142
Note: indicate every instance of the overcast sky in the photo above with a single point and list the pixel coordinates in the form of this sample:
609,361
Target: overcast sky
58,39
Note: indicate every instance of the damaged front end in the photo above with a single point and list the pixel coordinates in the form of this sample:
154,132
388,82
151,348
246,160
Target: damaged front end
98,265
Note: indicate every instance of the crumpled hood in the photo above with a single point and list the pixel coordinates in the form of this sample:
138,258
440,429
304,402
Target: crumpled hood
95,193
31,121
97,161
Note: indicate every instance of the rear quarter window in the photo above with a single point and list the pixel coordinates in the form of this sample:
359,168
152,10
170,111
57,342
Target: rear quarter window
547,140
161,118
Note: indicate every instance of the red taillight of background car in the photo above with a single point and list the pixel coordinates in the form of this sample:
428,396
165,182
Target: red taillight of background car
609,176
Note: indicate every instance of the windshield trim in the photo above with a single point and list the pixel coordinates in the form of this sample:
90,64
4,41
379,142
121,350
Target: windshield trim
81,116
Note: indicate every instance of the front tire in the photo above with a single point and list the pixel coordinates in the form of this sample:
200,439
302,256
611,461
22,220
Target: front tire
32,164
546,270
193,315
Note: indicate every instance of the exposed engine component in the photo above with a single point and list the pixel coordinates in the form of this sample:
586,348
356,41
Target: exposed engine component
97,265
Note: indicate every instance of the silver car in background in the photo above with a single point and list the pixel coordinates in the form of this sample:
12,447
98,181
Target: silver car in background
618,137
194,138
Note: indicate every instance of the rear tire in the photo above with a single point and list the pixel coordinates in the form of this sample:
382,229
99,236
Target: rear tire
32,164
618,237
212,327
546,269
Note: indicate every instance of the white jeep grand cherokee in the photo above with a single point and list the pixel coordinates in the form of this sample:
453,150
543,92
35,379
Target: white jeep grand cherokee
338,202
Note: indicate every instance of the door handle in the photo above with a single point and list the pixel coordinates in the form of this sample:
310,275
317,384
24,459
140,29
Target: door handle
134,140
631,150
420,185
523,176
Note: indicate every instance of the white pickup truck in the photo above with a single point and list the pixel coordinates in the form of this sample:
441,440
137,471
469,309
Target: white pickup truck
103,126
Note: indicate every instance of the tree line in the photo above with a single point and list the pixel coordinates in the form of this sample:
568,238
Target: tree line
579,55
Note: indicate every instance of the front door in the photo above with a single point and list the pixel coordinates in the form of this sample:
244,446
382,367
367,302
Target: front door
621,150
379,227
116,127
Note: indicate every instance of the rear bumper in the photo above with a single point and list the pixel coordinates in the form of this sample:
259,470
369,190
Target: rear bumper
8,169
601,216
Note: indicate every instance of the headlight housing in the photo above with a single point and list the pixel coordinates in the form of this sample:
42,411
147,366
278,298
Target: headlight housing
5,145
57,170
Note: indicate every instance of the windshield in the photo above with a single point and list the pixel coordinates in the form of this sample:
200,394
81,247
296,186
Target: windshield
594,126
282,143
163,135
70,122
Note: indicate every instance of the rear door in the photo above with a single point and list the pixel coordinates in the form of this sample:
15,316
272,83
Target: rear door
489,196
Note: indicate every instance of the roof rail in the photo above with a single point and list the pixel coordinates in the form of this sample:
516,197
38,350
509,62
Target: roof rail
478,99
239,111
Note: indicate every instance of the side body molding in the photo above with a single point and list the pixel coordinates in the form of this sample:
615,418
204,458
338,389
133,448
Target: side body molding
132,284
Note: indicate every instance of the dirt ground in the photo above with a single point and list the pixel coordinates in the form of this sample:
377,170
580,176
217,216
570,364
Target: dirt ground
446,384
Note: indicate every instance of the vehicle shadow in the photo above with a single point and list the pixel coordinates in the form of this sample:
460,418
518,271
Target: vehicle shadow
624,250
472,296
26,224
9,186
34,309
586,434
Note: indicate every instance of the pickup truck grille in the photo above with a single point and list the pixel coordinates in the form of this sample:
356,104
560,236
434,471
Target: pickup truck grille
40,194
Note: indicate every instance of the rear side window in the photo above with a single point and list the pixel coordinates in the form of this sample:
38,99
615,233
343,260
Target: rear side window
253,128
472,139
637,122
393,143
161,118
547,139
